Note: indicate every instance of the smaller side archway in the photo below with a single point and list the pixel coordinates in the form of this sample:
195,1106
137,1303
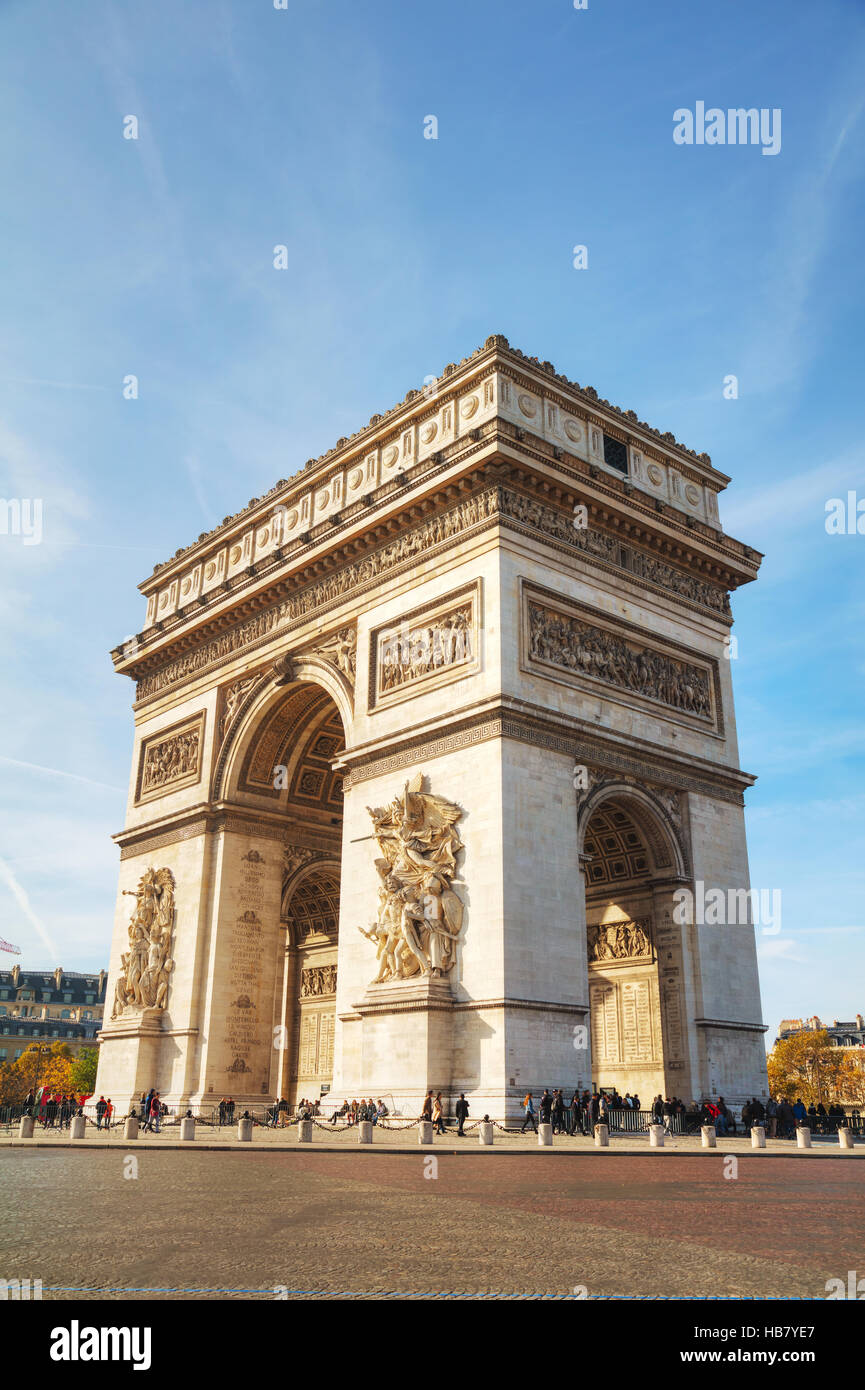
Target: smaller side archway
310,919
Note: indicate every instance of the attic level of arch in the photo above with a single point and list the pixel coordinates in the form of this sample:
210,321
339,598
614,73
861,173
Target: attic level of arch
625,536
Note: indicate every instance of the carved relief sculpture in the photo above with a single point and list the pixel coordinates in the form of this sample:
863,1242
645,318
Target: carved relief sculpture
317,980
234,696
409,653
340,651
575,645
620,941
147,965
169,760
420,915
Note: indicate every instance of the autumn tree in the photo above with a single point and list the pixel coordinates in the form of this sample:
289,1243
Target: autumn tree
806,1065
38,1065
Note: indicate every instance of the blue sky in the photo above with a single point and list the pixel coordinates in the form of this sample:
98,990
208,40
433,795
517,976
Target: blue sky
304,127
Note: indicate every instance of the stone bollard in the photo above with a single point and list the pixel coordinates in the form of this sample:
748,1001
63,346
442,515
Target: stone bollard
602,1136
656,1136
545,1136
845,1137
803,1137
25,1129
304,1132
187,1128
485,1132
77,1127
244,1131
130,1127
758,1137
364,1132
708,1136
425,1132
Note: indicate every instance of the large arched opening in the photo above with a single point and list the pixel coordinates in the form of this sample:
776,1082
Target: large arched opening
633,861
281,760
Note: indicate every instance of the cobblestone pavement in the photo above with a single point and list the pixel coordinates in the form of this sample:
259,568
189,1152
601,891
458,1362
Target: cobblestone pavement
245,1224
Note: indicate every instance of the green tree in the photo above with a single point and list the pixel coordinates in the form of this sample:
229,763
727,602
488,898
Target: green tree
82,1073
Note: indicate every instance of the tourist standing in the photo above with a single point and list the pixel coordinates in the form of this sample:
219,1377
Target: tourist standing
462,1113
100,1111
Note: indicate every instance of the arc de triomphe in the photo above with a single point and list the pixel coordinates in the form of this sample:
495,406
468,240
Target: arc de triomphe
427,739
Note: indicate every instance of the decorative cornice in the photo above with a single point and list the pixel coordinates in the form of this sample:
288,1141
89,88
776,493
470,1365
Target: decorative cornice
533,725
475,513
725,1023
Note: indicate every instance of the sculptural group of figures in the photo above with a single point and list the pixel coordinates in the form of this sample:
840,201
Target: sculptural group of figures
420,915
577,646
618,941
146,966
173,758
318,979
421,651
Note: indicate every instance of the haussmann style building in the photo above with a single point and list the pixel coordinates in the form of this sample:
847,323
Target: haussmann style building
427,741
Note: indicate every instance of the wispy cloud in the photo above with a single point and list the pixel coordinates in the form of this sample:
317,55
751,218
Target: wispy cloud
20,896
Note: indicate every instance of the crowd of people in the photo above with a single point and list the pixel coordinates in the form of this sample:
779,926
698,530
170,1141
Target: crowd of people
589,1108
52,1110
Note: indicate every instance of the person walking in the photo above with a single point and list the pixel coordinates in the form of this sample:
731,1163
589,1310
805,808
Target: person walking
438,1114
100,1111
529,1107
462,1113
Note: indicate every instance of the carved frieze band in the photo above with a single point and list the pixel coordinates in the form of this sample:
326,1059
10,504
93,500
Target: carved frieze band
437,533
171,759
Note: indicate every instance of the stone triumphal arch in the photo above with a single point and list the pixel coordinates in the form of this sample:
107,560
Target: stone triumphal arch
427,741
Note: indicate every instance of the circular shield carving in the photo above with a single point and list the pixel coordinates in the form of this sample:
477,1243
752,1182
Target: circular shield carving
573,431
655,474
527,406
469,407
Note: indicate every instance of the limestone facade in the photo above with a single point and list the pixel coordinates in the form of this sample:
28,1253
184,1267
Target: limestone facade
459,606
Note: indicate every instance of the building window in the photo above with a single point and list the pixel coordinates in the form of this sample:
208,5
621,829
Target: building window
67,999
3,1011
88,1014
65,1013
2,1054
89,999
615,454
46,996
